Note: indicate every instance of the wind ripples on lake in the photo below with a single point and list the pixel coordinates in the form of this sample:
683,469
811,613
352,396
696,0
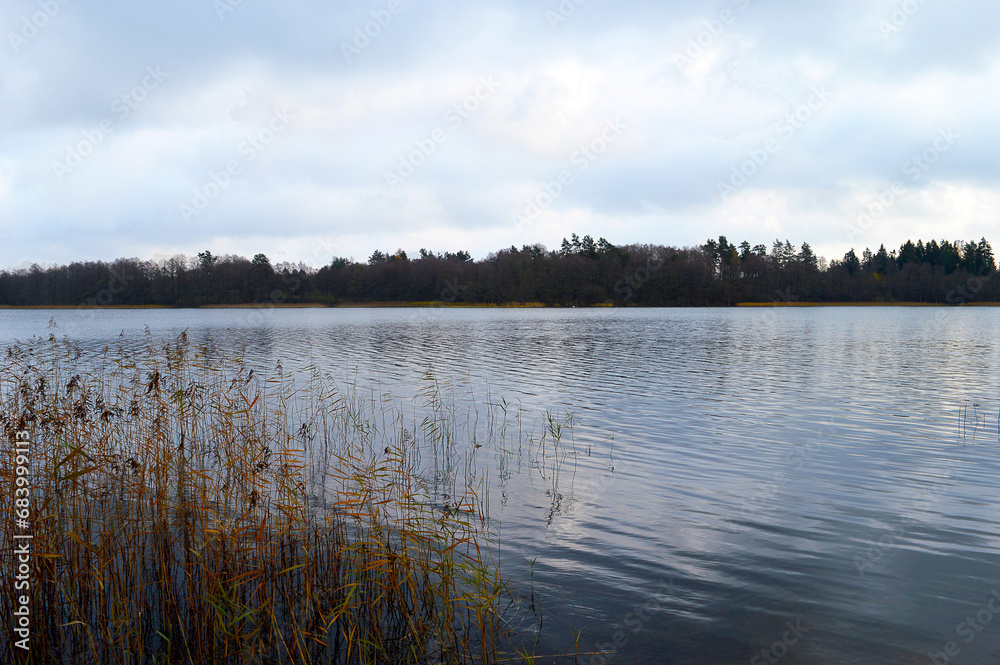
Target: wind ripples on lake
730,470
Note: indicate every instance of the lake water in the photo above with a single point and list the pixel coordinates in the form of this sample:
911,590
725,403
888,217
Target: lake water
801,485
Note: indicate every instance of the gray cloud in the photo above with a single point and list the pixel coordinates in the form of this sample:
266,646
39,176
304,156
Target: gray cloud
98,156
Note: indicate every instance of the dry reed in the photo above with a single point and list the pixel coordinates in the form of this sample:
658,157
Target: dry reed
186,509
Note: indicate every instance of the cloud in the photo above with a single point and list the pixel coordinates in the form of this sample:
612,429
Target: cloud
397,142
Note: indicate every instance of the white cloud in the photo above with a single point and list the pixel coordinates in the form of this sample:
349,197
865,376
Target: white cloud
688,127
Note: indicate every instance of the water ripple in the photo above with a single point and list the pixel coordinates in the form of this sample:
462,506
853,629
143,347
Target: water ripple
731,470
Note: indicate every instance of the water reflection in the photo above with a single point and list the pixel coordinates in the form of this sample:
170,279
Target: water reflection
729,471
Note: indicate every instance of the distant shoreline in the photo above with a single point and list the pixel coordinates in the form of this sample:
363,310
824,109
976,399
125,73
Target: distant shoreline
363,305
866,304
315,305
535,305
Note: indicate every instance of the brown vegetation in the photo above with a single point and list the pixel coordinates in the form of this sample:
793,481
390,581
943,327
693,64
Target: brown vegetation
187,510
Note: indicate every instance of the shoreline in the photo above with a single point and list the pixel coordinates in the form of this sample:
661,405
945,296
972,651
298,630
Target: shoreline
866,304
534,305
359,305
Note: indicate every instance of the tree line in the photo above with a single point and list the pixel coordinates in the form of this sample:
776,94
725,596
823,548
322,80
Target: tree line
582,272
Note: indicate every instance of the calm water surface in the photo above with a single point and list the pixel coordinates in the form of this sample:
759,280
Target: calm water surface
804,485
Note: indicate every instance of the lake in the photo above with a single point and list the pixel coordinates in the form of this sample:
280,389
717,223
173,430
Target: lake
759,485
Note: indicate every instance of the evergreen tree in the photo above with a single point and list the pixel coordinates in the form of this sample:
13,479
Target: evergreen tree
851,262
206,260
908,254
745,251
949,256
881,262
807,257
867,260
986,261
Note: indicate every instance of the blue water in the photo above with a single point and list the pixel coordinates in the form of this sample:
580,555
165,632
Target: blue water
804,485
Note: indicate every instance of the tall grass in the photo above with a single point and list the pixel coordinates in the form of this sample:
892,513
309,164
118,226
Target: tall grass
187,509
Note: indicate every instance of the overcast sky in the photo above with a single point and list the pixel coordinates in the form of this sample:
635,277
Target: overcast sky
309,130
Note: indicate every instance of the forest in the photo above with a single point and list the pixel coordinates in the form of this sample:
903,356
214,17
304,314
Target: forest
582,272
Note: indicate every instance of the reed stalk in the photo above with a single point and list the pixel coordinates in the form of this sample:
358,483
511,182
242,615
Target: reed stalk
186,508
